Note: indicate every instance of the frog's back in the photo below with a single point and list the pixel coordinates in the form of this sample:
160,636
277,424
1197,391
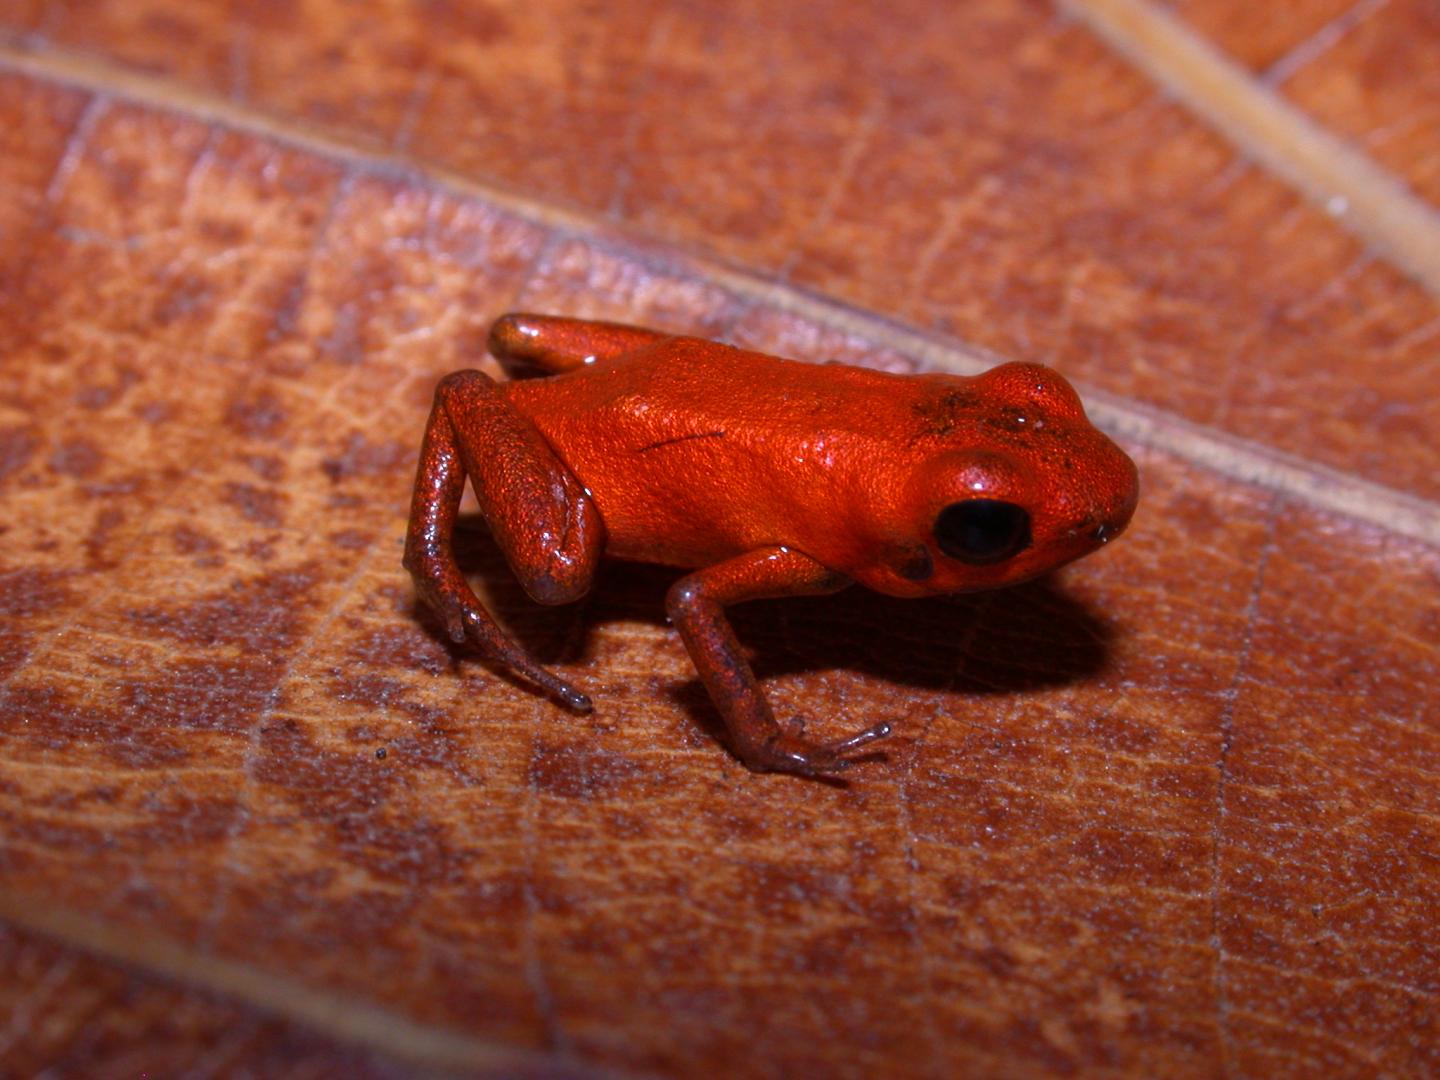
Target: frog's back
713,447
685,379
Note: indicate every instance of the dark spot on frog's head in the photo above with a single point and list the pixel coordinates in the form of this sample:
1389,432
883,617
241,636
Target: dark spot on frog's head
1010,421
939,412
1034,388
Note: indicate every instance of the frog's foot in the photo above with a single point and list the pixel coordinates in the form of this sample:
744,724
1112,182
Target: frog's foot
793,753
467,621
478,628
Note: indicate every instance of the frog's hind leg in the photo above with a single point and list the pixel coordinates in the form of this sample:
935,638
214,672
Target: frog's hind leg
549,529
552,344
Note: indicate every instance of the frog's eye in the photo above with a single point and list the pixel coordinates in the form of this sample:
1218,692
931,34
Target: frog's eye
982,531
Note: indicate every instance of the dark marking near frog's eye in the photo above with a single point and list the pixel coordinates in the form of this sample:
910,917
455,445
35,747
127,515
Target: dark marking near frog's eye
939,414
911,561
1010,421
982,531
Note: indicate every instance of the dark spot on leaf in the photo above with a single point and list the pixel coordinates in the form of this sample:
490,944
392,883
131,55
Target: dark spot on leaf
106,522
145,753
266,466
479,24
156,412
203,695
32,592
76,457
258,417
17,446
345,792
260,505
189,540
262,615
188,296
103,395
124,485
228,233
350,539
581,771
402,648
360,457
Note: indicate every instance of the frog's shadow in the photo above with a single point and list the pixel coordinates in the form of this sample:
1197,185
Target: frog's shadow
1028,637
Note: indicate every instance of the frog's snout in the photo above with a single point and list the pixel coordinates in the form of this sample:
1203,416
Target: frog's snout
1107,531
1112,517
1109,528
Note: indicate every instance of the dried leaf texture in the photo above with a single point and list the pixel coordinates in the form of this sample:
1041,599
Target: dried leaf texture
1364,69
988,170
69,1014
1172,812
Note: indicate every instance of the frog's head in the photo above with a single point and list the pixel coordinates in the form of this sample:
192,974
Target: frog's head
1013,481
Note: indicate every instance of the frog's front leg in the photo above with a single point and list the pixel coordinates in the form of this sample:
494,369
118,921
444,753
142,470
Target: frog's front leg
548,528
696,605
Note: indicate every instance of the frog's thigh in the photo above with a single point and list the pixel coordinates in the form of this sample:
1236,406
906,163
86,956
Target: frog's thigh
549,529
553,343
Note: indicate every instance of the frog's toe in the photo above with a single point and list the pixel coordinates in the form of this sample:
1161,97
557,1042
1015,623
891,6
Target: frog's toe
791,752
860,739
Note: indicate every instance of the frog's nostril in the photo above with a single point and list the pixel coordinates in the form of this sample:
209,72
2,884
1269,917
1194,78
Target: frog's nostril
1106,531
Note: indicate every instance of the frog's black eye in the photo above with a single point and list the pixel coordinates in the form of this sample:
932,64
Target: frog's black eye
982,531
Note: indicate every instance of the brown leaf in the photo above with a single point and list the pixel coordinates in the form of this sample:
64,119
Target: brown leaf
1173,811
